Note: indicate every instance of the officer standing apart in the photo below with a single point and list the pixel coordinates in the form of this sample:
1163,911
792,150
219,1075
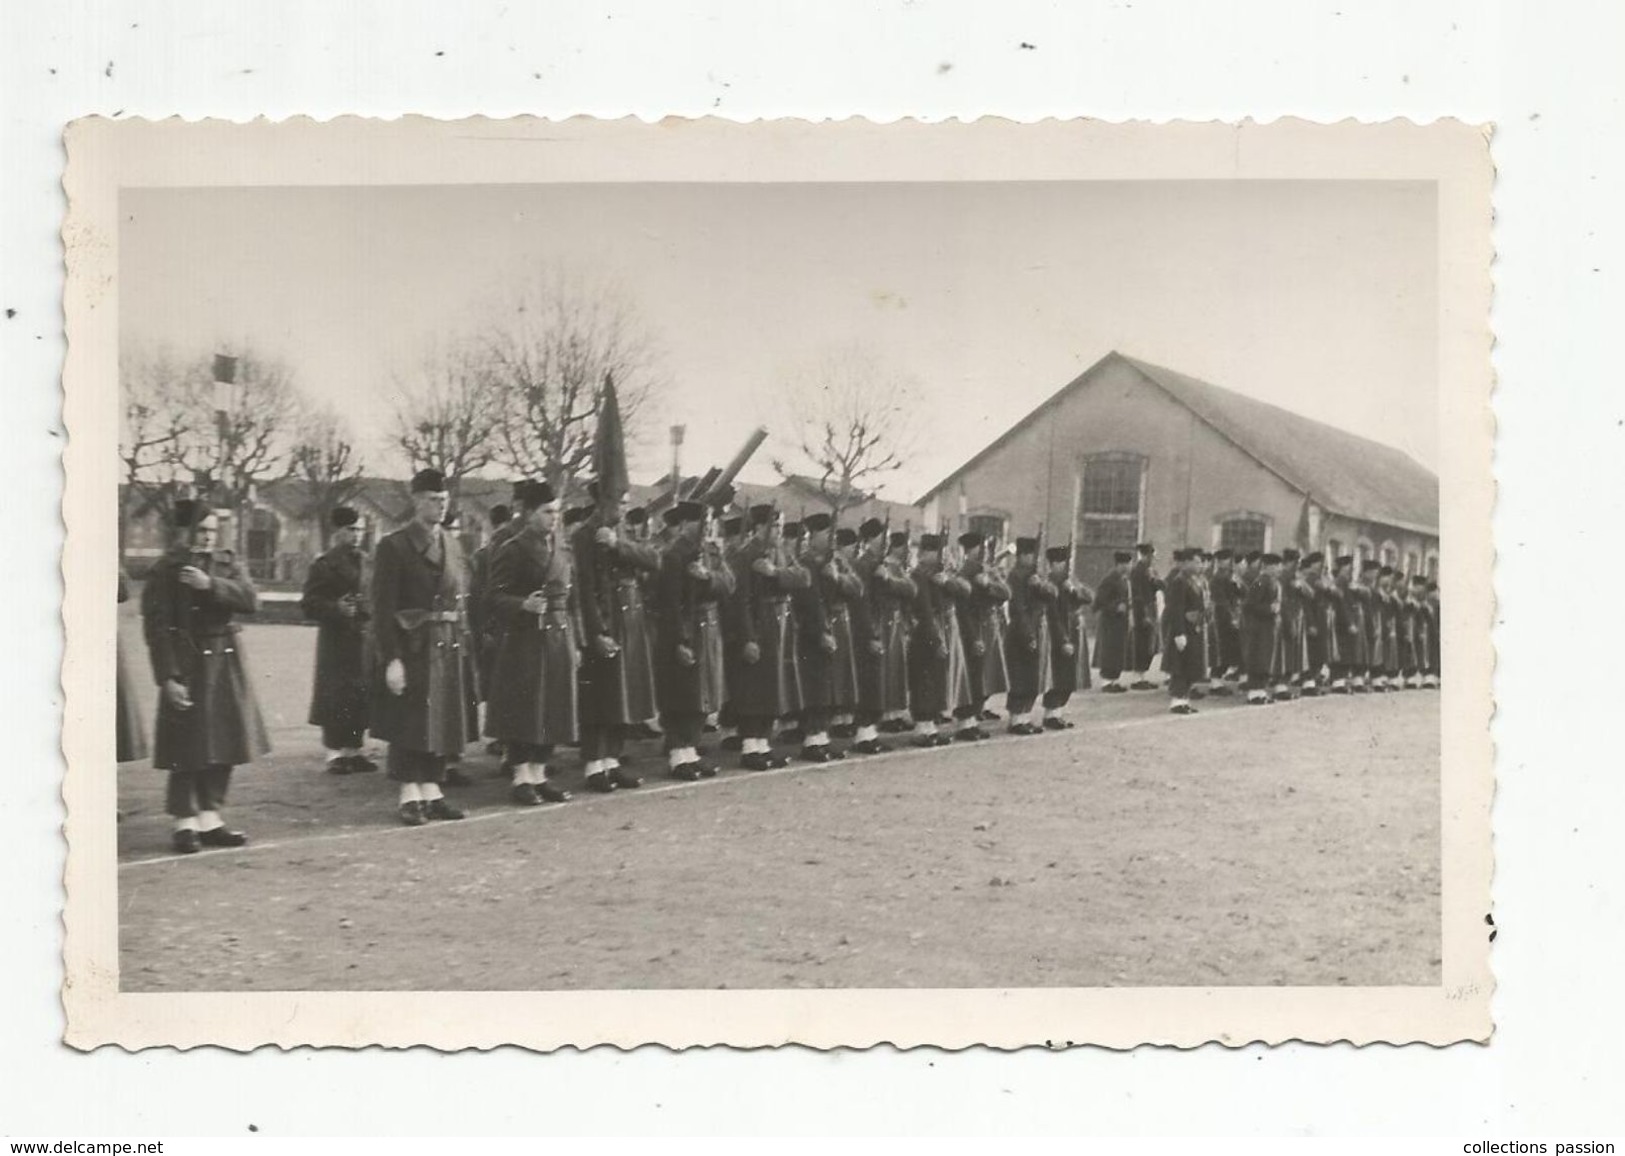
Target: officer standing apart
420,702
1144,586
334,598
1112,639
208,719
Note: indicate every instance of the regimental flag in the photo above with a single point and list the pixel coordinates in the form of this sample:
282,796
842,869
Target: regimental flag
609,446
225,382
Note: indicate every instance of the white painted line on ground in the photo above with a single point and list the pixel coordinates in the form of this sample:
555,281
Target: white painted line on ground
661,788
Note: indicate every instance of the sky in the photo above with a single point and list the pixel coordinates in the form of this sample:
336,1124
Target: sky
1317,296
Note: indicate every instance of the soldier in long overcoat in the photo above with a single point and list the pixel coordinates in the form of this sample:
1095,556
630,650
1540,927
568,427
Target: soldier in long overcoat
130,735
1228,590
1260,623
1353,641
763,639
1430,607
1185,622
981,624
481,622
1290,658
424,704
1112,599
1376,626
689,659
1069,637
1028,643
335,598
845,607
1320,624
1390,584
532,705
817,606
880,632
934,631
208,718
1145,638
617,662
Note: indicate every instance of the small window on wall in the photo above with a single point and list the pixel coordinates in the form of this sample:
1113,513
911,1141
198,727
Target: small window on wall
1109,507
1413,564
1334,551
1364,550
1244,535
1390,554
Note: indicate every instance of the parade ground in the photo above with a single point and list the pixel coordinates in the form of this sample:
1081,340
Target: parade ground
1294,844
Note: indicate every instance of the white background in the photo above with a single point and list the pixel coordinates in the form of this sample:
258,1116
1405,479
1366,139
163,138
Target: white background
1549,77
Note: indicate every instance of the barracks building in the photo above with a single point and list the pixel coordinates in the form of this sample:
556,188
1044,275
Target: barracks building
1130,452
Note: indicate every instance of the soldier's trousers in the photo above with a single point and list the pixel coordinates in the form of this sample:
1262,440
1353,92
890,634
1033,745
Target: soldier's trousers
1016,705
1143,644
1056,699
602,741
189,792
815,720
344,738
684,728
407,766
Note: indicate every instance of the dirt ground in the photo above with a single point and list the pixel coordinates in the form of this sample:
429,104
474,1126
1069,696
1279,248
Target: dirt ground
1293,844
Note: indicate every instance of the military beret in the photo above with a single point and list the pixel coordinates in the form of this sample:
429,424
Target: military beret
1223,555
1386,571
846,537
1270,559
187,513
577,514
720,498
872,528
970,539
1370,566
343,516
1146,548
1432,586
763,514
733,524
930,541
1418,580
671,516
533,494
428,482
689,512
1026,545
1345,560
499,515
637,516
1253,556
794,531
1313,559
1123,556
897,539
816,522
1204,555
1289,555
1058,553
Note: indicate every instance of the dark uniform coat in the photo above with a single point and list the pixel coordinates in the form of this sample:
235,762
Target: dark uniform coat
1029,645
341,690
1143,585
621,689
936,658
1392,608
131,735
771,686
1112,624
1376,628
880,629
1068,618
1228,593
1353,637
485,626
1434,632
690,617
981,622
1260,623
1186,617
533,686
1320,631
418,617
1296,596
191,638
824,635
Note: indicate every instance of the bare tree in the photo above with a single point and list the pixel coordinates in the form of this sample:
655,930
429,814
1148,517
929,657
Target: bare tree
155,418
548,351
447,414
325,461
855,425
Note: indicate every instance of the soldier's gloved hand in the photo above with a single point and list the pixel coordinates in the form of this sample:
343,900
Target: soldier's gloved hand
175,694
685,655
981,579
604,536
978,648
764,567
1179,643
1032,644
395,676
751,653
195,578
347,606
831,571
826,643
535,603
696,569
604,646
876,646
1068,649
942,649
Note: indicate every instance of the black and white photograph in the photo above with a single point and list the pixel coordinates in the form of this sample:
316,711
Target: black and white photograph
914,580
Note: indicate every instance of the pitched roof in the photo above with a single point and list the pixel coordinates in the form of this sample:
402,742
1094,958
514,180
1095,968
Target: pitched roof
1340,471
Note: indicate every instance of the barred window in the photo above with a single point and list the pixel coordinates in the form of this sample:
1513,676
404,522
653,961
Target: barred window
988,525
1110,503
1243,535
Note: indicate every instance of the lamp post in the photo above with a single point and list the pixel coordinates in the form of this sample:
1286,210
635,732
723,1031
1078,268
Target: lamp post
677,432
